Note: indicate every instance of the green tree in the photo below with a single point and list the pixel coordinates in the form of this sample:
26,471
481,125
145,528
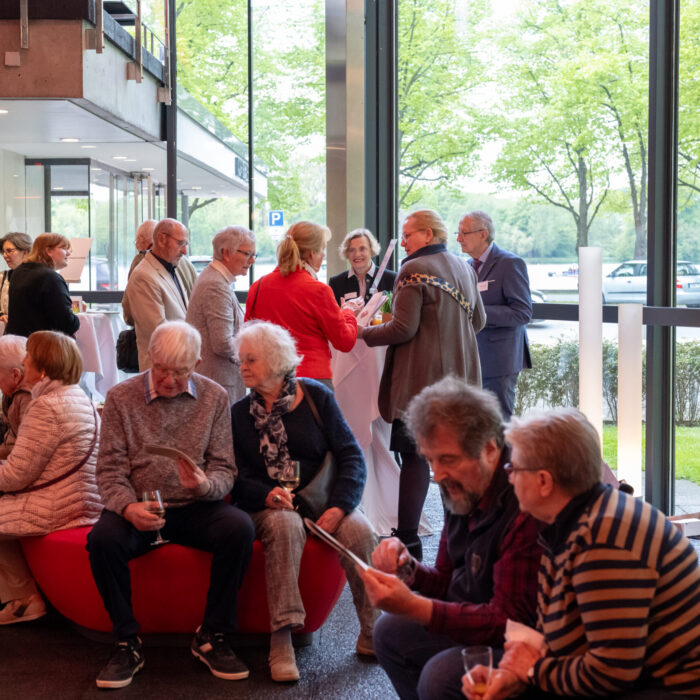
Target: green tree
438,131
573,76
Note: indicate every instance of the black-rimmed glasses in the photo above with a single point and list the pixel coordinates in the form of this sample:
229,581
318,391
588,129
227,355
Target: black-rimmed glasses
181,243
508,468
466,233
249,256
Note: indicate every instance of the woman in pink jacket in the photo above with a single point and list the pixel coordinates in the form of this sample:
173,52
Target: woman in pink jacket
48,481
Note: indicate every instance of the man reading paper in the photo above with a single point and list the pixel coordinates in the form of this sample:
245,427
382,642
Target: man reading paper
169,404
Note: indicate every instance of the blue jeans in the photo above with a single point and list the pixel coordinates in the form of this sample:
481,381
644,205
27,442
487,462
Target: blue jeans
215,527
419,664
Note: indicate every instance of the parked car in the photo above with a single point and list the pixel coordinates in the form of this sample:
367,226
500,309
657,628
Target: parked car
537,298
200,261
627,283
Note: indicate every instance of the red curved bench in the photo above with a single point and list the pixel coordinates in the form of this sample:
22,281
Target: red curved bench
169,585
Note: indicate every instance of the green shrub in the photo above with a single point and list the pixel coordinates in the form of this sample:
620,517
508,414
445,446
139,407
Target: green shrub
553,379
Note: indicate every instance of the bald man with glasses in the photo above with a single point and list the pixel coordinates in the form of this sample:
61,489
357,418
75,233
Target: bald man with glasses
160,286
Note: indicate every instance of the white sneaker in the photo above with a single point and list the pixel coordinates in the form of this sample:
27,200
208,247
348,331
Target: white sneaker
22,610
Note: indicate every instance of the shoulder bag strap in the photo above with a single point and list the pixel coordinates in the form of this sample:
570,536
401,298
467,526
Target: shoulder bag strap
257,291
63,476
415,278
311,403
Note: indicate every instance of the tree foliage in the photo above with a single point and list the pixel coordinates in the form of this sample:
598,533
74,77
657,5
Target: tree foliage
438,126
573,78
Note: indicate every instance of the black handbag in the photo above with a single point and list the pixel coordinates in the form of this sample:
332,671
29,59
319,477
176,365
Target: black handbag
312,500
127,351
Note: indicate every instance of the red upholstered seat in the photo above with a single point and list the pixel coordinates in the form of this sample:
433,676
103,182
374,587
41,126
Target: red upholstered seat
169,584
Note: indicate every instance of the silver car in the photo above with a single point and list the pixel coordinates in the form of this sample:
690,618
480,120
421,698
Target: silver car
627,283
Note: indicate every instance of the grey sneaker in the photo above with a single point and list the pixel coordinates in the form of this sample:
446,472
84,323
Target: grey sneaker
125,661
212,649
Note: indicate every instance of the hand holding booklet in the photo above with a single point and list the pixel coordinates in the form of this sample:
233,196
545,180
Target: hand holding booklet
172,452
371,308
332,542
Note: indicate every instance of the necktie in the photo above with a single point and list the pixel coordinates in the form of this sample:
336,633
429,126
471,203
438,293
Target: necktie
476,264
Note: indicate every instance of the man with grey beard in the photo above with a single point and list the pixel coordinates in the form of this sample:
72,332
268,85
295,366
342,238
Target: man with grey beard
486,566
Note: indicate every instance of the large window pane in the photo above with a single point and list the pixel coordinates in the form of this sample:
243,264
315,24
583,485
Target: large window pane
687,384
537,113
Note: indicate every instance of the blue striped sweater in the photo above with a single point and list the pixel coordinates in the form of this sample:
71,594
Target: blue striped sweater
618,600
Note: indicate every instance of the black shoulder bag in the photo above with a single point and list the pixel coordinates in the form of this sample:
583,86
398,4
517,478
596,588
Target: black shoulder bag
312,500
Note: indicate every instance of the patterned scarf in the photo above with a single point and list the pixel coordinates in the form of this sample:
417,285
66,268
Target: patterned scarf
273,436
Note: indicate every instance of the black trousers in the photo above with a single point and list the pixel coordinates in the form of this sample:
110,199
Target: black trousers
215,527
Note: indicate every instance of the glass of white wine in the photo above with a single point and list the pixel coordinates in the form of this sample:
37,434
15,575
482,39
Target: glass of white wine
154,504
289,476
478,665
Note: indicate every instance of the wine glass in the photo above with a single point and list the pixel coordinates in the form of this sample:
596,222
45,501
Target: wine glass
154,504
289,476
482,657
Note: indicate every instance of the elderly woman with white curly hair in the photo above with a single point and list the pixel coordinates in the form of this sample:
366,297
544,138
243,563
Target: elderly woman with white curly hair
214,310
280,422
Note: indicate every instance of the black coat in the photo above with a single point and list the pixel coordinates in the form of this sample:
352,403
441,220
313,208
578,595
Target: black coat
39,301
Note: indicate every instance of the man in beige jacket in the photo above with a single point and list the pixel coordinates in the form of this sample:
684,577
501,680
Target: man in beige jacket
160,286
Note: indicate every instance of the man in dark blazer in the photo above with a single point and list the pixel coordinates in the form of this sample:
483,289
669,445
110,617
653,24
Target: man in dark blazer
357,248
505,292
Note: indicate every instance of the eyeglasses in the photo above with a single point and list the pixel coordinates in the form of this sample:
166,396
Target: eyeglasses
508,468
466,233
181,243
9,251
179,373
248,255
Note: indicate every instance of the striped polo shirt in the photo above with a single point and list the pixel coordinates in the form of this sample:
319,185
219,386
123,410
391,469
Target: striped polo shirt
618,599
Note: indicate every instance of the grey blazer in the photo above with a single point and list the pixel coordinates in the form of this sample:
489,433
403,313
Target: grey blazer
151,297
430,335
215,312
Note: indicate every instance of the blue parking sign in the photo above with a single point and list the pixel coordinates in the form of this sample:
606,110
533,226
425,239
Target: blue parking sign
275,218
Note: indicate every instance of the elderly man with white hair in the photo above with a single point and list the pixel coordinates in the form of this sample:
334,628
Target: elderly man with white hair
215,312
16,393
169,405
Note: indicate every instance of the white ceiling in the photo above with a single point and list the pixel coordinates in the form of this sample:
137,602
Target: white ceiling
33,128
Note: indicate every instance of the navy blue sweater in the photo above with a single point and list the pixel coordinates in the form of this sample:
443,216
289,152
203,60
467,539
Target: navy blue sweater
306,443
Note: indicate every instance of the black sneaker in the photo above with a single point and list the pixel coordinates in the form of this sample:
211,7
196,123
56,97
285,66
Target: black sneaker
125,661
212,649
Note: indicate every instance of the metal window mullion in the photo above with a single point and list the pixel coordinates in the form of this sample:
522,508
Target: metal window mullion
664,26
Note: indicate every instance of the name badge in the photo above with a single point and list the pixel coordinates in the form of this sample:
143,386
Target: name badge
349,295
484,286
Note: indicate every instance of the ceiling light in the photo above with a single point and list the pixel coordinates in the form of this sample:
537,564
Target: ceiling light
119,157
57,188
88,147
69,139
147,168
94,169
129,160
196,188
3,111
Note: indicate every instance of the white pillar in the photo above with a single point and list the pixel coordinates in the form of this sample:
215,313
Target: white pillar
629,395
590,335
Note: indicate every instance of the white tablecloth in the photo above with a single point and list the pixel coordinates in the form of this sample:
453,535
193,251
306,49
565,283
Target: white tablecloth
356,376
96,340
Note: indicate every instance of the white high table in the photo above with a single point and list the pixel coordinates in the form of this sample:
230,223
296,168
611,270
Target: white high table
356,376
97,344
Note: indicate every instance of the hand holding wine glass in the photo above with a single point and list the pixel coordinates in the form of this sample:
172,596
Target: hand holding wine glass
288,476
153,503
478,665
